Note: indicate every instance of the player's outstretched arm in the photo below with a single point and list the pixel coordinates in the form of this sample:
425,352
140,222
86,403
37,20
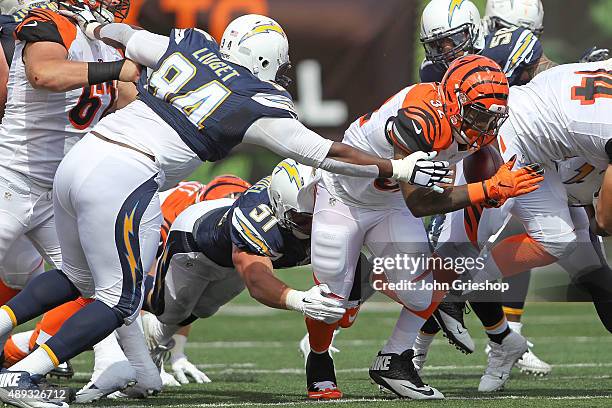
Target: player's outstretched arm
506,183
47,67
603,209
257,273
290,138
140,45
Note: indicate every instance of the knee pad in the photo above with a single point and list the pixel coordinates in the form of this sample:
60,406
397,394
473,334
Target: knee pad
329,252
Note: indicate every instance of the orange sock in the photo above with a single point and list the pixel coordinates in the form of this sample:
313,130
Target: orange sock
6,293
520,253
53,320
320,334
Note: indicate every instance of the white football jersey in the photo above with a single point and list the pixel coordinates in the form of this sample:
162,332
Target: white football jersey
39,126
562,113
581,180
369,133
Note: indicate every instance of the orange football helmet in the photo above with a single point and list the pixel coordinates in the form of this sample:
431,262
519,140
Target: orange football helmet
475,95
226,186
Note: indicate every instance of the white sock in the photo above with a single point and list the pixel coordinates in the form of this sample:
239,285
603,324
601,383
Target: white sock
106,353
22,340
423,341
133,342
515,326
405,332
179,346
38,362
6,324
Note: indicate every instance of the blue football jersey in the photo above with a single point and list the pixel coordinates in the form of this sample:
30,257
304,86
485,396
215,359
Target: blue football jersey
513,49
250,225
8,23
208,101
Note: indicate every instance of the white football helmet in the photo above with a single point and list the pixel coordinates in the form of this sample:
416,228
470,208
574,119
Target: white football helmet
259,44
291,193
451,29
13,6
515,13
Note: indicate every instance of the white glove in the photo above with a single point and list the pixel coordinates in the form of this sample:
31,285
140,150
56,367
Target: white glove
183,368
419,169
83,15
167,379
316,303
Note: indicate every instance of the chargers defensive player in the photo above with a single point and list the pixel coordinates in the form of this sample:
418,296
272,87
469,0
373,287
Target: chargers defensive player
217,247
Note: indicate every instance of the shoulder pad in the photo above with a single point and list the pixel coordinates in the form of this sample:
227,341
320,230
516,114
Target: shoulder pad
45,25
249,236
277,100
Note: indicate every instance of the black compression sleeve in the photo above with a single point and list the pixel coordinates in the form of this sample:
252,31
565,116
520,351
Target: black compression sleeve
100,72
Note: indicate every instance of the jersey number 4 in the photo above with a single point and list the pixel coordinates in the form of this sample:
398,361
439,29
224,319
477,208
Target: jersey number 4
168,81
595,84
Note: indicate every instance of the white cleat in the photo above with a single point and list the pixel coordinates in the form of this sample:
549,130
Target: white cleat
529,363
116,377
449,316
304,346
501,360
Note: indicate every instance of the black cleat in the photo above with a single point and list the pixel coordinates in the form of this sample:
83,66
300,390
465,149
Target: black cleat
449,316
62,371
396,373
321,377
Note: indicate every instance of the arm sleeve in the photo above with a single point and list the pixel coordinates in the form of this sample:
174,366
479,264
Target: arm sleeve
141,46
289,138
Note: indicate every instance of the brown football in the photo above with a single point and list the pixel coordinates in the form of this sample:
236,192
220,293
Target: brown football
482,165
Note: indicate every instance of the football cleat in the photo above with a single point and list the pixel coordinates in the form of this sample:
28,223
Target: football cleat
449,316
116,377
321,377
396,373
501,360
64,370
23,381
529,363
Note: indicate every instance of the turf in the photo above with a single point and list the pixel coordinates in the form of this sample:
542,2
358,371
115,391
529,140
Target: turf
250,352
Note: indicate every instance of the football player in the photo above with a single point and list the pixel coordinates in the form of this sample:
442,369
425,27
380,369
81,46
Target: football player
465,232
218,247
199,101
450,29
453,118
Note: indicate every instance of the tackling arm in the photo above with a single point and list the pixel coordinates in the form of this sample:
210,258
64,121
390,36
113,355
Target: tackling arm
256,272
140,46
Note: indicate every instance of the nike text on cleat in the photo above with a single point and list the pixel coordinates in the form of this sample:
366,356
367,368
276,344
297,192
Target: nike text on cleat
396,373
501,360
449,317
22,381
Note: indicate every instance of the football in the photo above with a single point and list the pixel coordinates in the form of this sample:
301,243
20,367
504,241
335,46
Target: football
482,165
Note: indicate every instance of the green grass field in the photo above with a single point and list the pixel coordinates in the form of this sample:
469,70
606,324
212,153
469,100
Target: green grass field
250,352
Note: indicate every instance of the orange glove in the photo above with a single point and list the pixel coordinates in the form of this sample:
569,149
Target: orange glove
506,184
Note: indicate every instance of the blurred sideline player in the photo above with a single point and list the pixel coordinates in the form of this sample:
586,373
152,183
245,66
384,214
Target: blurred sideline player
152,144
453,118
450,29
216,248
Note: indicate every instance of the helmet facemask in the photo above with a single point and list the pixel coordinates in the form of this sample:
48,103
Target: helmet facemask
479,125
281,75
447,46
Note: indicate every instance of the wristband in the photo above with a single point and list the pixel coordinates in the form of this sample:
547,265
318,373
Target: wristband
476,192
294,300
100,72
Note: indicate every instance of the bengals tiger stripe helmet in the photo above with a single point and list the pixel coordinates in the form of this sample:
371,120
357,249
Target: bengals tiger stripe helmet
475,97
226,186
